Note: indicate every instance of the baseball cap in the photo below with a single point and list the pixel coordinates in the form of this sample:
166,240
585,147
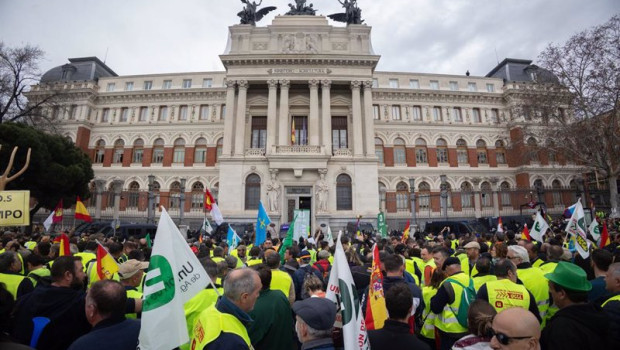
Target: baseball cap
131,267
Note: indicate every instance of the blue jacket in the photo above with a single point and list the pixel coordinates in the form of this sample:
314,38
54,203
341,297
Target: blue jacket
230,341
118,334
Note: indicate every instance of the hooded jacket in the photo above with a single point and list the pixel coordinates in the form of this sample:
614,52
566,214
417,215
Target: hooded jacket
578,327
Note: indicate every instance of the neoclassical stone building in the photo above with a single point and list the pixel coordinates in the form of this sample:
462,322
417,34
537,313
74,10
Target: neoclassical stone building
300,119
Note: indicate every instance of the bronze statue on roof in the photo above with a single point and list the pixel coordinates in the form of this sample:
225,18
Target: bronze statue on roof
250,13
352,14
300,9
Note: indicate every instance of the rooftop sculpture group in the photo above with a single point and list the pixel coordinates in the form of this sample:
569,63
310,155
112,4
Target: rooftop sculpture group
352,14
251,14
300,9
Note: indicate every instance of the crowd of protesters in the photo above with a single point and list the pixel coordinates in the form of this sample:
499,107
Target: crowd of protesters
268,299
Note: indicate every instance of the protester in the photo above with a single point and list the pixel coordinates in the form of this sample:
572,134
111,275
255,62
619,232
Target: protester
131,273
612,304
468,265
479,319
10,266
105,306
531,277
280,280
510,334
315,319
600,261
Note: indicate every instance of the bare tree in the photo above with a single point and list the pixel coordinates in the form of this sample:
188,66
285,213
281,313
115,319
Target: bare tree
580,117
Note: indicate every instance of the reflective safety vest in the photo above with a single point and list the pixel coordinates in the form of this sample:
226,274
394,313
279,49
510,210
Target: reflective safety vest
11,282
615,298
534,280
538,262
548,267
480,280
504,294
217,259
446,321
86,258
428,328
465,266
40,272
30,245
211,322
281,281
410,267
454,244
200,302
431,263
134,294
254,261
312,255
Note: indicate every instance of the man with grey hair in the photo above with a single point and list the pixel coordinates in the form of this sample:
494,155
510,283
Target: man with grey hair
315,320
224,325
532,277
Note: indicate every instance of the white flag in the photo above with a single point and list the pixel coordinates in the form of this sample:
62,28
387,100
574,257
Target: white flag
577,227
539,228
206,226
341,290
175,275
595,230
216,214
49,221
329,237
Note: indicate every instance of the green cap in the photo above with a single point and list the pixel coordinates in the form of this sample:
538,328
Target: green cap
570,276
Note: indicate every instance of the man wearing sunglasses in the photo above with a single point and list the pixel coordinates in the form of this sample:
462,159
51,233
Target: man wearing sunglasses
510,335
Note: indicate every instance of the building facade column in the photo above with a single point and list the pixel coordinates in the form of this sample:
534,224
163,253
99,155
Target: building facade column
313,122
117,185
477,199
271,115
240,118
99,188
326,115
284,134
358,144
369,123
228,119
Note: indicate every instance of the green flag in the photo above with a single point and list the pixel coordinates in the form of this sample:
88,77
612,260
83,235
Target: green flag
288,240
149,243
381,226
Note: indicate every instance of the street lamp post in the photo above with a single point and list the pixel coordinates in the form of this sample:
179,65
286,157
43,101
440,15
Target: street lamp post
182,201
412,197
579,187
444,196
151,200
382,193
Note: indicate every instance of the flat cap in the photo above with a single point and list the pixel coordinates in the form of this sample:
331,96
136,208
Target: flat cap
472,244
131,267
318,313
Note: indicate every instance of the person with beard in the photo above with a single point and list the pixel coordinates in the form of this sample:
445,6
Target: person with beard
62,303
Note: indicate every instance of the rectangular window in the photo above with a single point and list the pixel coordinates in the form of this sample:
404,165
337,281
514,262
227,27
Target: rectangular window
259,132
420,156
200,155
375,83
339,132
118,155
506,202
167,84
454,86
163,113
376,112
437,114
461,156
500,156
72,112
490,88
400,156
482,157
494,115
105,115
434,85
111,87
442,155
187,83
301,130
395,112
137,155
204,112
148,84
143,113
393,83
414,84
178,155
124,114
129,86
472,87
158,155
456,115
417,113
183,112
476,115
207,83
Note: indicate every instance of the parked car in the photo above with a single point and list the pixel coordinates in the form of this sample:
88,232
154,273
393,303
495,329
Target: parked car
459,228
363,226
125,231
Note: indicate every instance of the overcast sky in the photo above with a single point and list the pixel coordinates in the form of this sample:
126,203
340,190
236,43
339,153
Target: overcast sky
430,36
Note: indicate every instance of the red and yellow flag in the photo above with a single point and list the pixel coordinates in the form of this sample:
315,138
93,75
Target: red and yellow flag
63,239
605,236
406,233
293,132
81,213
57,213
209,200
526,233
106,265
376,311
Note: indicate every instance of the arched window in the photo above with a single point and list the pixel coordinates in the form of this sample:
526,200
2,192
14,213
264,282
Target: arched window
467,197
487,194
420,152
425,195
379,150
442,151
573,190
481,150
500,152
138,151
382,194
175,195
158,151
504,189
344,194
99,151
200,151
449,192
402,196
156,190
557,194
462,155
220,144
179,151
134,195
400,156
119,149
532,148
252,192
198,195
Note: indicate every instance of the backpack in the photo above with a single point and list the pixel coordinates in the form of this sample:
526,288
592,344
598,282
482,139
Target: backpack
44,281
467,297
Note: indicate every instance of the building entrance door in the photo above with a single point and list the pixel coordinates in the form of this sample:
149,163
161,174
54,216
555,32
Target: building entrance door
298,197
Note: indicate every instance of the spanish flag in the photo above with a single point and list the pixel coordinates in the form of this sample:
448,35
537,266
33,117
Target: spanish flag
106,265
293,133
526,233
57,213
209,201
376,311
81,213
406,233
63,239
605,236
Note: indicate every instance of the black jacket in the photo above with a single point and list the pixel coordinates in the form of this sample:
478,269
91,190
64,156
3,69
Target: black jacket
578,327
612,309
395,335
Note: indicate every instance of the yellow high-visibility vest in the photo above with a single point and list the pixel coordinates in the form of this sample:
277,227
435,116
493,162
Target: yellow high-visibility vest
504,294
